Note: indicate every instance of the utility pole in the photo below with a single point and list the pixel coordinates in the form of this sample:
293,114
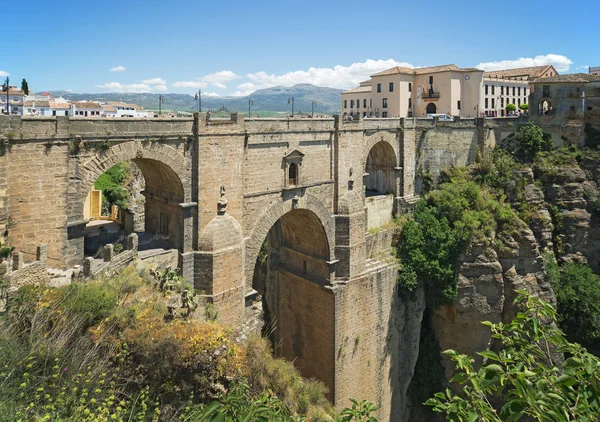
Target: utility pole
250,103
161,100
291,100
198,97
314,105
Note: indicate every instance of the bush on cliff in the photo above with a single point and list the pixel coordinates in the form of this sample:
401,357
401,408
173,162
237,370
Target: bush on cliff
577,290
102,350
443,225
522,376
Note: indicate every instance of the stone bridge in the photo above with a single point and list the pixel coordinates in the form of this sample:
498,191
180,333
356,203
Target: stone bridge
319,193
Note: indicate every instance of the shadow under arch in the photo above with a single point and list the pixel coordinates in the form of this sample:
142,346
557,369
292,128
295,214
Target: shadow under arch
298,302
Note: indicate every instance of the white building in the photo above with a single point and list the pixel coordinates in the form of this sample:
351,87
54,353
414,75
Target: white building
36,107
60,107
86,109
594,71
121,109
15,100
510,86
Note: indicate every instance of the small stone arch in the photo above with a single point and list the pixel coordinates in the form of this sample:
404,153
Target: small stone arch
272,214
431,108
385,149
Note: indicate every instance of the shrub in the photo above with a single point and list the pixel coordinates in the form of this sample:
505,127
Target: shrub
442,227
532,140
523,376
577,292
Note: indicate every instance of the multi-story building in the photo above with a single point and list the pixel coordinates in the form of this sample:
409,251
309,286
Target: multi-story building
406,92
567,106
594,71
358,101
448,89
510,86
15,100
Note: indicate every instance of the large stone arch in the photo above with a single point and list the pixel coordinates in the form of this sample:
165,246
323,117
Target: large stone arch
174,164
272,214
168,186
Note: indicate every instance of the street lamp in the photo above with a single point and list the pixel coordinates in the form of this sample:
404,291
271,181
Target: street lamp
161,100
314,105
291,100
7,88
250,103
198,97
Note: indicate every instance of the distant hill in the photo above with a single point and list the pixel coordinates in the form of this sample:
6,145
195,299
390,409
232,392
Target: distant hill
273,99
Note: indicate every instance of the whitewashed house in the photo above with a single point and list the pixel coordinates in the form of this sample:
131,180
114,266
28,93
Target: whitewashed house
60,107
86,109
15,100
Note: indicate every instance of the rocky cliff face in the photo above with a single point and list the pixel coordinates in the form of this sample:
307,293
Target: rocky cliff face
488,275
563,222
570,192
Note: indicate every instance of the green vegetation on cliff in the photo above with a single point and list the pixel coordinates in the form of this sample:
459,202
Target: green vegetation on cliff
103,350
524,375
462,209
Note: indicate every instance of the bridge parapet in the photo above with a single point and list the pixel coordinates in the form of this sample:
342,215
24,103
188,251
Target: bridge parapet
50,128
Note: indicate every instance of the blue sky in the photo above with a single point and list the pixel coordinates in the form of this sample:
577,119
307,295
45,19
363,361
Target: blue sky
235,47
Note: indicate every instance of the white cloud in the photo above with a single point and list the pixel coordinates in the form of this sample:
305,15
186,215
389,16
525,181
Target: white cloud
118,69
190,84
337,77
584,67
148,85
216,79
3,73
154,81
210,94
560,63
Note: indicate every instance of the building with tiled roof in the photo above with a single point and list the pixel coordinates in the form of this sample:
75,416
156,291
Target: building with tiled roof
122,109
60,107
510,86
36,107
523,73
407,92
15,100
567,106
86,109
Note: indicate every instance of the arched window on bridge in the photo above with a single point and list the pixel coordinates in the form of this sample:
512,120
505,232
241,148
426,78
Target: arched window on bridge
292,175
292,166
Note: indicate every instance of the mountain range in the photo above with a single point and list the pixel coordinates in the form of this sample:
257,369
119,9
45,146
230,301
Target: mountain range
273,99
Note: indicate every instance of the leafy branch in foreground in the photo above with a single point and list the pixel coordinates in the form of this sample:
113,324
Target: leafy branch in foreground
525,376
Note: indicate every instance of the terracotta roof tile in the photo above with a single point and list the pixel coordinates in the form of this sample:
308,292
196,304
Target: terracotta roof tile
31,103
87,104
530,72
59,105
424,70
571,77
358,89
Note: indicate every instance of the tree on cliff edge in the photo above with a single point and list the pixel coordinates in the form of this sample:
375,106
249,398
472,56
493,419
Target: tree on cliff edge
525,374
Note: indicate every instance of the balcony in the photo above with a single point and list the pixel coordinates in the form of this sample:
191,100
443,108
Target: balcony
431,95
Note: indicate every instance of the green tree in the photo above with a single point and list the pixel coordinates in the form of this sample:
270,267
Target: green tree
511,107
524,375
25,87
524,107
577,290
532,140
